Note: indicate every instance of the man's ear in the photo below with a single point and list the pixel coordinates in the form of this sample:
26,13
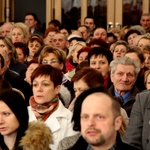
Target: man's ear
111,77
7,63
118,123
2,71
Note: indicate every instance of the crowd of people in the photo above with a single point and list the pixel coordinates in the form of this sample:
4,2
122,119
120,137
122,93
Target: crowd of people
83,89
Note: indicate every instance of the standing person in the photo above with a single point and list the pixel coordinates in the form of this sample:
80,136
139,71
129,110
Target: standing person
97,115
32,21
45,104
145,22
16,132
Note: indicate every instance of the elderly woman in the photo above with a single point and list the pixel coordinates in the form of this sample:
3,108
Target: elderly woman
16,132
45,104
19,33
57,58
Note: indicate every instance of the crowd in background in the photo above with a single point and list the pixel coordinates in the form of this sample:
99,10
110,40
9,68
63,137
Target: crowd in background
51,69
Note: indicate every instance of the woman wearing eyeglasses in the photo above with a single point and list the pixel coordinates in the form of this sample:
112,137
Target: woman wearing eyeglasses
57,58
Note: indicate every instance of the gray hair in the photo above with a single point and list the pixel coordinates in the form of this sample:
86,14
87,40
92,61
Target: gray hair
124,61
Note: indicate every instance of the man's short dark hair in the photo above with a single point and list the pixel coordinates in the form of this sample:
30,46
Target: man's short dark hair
32,14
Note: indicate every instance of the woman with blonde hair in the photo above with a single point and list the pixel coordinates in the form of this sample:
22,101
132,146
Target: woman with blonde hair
19,33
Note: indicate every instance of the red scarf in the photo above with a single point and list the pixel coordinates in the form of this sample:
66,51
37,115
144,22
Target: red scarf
43,111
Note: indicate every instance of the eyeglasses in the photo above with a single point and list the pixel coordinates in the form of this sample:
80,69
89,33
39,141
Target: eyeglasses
50,62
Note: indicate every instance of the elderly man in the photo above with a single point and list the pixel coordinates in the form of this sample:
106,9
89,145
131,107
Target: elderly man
97,115
145,22
5,28
124,72
60,41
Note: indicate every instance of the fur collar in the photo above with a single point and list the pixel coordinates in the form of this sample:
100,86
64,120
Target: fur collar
37,137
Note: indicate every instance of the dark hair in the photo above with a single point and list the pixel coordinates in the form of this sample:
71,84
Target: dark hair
83,49
78,106
131,31
47,70
18,106
136,50
89,17
33,61
90,76
56,23
110,34
81,98
99,42
100,51
2,61
32,14
23,47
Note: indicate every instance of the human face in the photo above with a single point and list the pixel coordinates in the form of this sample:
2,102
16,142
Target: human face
33,48
79,87
98,124
6,29
82,57
75,53
29,21
60,41
145,22
148,82
84,32
29,71
119,51
65,32
131,37
143,42
44,90
147,60
123,78
17,35
9,124
52,60
100,63
100,33
135,57
89,22
49,37
21,55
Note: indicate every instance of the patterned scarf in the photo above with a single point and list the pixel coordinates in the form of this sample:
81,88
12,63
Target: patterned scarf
43,111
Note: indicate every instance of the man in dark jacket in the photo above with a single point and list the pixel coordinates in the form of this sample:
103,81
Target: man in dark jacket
97,115
124,72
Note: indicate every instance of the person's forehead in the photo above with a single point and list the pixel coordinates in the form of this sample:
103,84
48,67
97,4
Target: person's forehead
89,20
146,17
121,67
98,98
29,17
100,30
59,36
